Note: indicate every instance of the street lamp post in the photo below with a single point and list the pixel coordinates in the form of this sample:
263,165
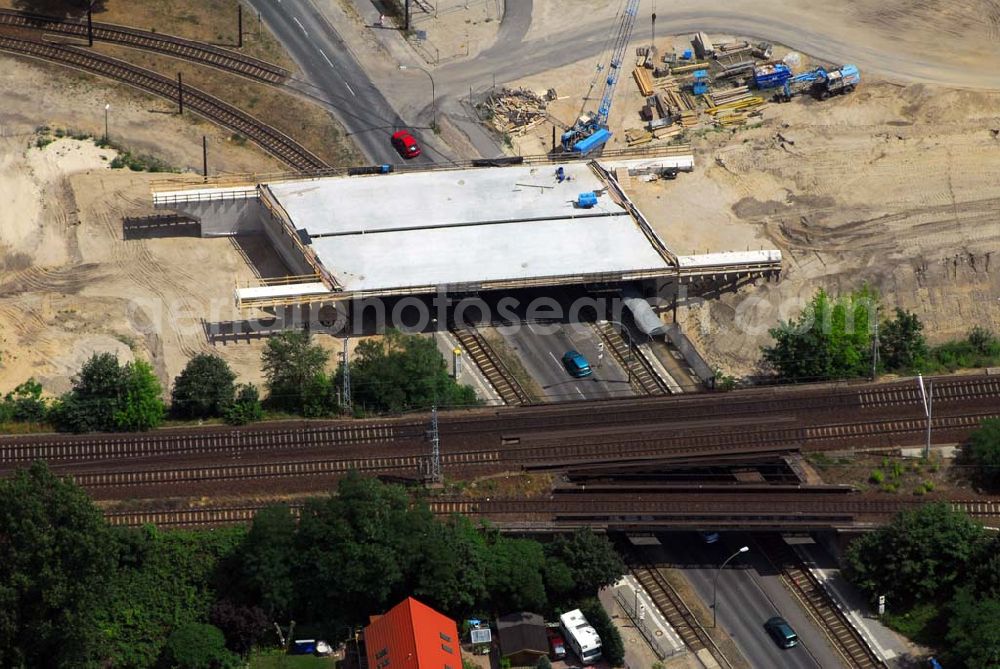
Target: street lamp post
107,107
433,94
715,583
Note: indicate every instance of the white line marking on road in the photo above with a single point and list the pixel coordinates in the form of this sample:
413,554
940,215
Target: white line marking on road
301,27
350,89
326,58
580,392
555,360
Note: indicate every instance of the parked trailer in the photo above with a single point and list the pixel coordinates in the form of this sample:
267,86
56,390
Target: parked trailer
582,637
771,75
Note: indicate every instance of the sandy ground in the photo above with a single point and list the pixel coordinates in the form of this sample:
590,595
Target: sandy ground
894,185
455,29
70,286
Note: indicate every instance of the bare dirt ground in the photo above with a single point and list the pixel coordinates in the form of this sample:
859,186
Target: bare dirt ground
893,185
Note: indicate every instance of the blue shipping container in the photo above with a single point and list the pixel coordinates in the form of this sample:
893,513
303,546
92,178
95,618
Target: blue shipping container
587,145
771,76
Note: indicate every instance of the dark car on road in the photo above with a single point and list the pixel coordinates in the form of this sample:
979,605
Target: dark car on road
576,364
781,632
404,144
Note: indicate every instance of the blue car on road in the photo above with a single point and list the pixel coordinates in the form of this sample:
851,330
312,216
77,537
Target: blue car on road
576,364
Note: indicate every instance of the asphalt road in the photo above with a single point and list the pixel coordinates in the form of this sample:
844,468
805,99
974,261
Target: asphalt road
750,592
511,58
334,76
540,349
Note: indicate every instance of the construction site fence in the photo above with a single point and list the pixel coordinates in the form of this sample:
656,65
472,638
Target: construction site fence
662,651
250,179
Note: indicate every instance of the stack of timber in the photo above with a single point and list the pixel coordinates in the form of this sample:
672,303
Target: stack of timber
721,97
635,137
644,79
515,112
738,105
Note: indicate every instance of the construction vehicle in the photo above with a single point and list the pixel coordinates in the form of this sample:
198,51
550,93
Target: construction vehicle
590,131
771,75
821,82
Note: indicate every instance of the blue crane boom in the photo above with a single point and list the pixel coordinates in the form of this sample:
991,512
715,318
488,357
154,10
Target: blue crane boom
591,130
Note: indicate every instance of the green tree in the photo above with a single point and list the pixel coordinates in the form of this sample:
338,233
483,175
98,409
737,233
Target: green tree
901,342
401,372
265,561
831,339
592,560
141,400
974,631
55,559
922,555
163,579
543,663
292,364
94,400
449,570
514,577
197,646
612,647
204,389
246,407
982,341
24,404
984,453
354,551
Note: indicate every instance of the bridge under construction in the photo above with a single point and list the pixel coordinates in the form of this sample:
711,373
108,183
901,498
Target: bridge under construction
457,230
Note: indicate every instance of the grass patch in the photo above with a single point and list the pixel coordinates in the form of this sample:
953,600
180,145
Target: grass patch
926,624
279,660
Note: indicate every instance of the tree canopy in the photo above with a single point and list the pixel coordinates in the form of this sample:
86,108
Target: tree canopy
922,555
107,396
55,562
197,646
902,344
830,339
294,369
984,453
204,388
402,372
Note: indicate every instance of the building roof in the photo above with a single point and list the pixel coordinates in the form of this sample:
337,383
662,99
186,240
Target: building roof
412,635
519,632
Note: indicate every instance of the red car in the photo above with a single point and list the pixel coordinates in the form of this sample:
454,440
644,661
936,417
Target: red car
404,143
557,644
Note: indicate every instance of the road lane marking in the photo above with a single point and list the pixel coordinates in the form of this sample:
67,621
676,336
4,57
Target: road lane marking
580,392
555,360
301,27
350,89
326,58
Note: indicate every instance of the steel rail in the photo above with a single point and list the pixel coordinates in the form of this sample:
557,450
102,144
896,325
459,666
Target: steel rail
270,139
170,45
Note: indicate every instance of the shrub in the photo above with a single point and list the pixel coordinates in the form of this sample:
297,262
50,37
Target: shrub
877,477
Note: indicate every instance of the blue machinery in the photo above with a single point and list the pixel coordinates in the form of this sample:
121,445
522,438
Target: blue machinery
591,130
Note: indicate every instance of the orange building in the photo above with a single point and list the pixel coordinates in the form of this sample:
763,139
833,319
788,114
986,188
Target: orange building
412,635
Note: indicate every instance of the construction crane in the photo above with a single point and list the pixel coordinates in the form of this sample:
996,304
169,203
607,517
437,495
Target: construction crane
591,130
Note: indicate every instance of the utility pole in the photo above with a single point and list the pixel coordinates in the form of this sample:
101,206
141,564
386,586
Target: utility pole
406,16
180,94
433,470
347,376
204,157
239,25
90,24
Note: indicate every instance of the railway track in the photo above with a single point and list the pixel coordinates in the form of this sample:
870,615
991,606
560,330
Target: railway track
270,139
680,511
58,449
677,613
846,639
482,354
170,45
644,379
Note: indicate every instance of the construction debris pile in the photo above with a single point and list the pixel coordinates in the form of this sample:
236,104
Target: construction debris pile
722,84
515,112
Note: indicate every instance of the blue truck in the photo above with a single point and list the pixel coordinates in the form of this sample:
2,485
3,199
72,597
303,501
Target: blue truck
821,82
